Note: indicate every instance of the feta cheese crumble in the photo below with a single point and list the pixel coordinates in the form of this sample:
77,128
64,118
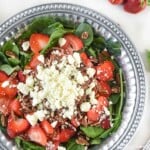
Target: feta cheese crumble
60,85
25,45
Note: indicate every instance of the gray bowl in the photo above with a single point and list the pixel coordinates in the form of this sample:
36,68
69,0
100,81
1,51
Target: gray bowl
129,61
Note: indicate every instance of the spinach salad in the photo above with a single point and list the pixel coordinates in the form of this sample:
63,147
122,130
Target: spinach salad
60,86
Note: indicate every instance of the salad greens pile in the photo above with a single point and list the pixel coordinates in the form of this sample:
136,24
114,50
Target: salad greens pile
13,58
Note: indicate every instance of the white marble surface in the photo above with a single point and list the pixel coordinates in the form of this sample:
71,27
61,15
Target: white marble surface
137,27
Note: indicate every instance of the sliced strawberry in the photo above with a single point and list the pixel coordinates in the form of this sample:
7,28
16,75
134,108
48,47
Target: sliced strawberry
46,126
105,124
15,106
38,42
9,90
104,71
34,62
16,125
104,88
4,103
36,134
73,42
21,76
93,114
102,102
3,76
86,61
75,122
65,135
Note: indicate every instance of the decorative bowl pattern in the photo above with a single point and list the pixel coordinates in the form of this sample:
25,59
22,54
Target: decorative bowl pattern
129,61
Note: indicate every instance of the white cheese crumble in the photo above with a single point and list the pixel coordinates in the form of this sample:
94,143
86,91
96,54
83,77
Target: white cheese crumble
60,85
85,106
107,112
5,84
25,45
23,88
61,148
33,119
38,115
91,72
61,42
54,124
41,58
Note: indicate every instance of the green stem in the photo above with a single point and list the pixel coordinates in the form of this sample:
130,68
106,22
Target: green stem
121,91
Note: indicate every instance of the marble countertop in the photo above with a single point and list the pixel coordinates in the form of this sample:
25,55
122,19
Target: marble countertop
137,27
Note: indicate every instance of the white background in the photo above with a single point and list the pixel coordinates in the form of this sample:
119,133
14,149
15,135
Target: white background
137,27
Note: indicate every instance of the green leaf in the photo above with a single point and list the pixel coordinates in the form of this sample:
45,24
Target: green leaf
95,141
25,145
55,35
99,43
14,61
82,29
114,47
3,58
51,28
67,23
37,26
8,69
91,131
72,145
10,46
114,98
91,52
24,58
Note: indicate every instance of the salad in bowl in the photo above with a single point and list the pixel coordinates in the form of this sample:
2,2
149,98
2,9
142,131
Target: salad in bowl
60,86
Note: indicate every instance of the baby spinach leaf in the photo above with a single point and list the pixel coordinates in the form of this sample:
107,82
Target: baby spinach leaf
14,61
91,131
57,31
91,52
8,69
3,58
25,145
114,47
85,32
24,58
99,43
54,39
67,23
95,141
72,145
10,46
51,28
36,26
114,98
40,23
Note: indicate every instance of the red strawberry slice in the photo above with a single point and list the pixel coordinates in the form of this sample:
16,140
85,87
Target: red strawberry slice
93,114
21,76
36,134
16,126
105,124
3,76
46,126
65,135
15,106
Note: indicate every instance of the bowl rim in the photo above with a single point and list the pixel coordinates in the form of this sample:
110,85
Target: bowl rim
114,29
